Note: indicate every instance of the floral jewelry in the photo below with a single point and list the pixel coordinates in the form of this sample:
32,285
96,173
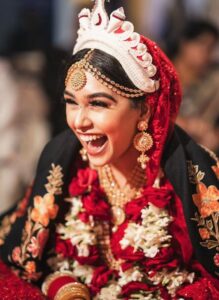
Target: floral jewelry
137,261
143,142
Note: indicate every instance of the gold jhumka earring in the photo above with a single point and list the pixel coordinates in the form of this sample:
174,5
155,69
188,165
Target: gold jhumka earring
143,142
83,154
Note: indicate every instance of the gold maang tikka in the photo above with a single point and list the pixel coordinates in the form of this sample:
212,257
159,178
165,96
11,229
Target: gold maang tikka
143,142
76,73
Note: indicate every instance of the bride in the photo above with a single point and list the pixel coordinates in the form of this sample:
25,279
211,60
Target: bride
124,204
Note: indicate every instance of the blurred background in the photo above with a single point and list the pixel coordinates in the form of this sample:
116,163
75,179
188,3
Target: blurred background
36,40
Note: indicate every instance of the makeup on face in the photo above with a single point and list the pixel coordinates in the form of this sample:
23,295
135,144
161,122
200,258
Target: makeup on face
104,122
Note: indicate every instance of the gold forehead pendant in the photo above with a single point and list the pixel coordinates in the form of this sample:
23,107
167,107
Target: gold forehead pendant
76,73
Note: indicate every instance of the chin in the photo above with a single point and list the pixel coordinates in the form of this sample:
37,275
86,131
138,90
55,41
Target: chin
99,161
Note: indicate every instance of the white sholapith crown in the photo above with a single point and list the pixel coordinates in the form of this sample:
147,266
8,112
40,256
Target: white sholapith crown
116,37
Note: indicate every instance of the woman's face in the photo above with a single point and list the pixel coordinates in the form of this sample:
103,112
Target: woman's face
104,122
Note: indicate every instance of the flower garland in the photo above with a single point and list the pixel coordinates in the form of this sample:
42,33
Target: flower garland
148,243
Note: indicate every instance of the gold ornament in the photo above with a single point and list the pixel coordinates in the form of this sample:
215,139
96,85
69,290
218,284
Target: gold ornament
77,75
83,153
79,79
143,142
72,291
117,196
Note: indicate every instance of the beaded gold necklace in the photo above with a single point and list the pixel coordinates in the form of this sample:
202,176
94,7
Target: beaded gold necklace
117,196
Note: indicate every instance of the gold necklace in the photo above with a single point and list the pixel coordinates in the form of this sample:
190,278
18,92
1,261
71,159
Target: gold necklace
118,197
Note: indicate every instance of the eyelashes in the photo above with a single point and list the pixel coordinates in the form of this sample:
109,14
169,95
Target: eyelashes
98,103
93,103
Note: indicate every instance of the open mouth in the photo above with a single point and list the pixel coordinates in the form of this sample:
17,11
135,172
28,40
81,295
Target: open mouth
94,144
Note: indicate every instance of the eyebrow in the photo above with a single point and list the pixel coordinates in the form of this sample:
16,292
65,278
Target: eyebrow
95,95
102,94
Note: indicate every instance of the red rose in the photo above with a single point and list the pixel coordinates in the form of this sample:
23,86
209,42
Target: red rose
134,287
83,182
158,197
164,259
127,253
84,217
65,248
92,259
100,278
133,209
96,206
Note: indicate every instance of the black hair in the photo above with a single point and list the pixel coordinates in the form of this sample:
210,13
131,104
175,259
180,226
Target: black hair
191,31
108,66
195,28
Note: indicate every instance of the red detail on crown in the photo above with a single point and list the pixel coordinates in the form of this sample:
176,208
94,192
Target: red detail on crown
99,21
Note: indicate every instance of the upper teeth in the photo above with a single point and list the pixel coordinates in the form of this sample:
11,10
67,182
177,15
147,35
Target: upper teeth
90,138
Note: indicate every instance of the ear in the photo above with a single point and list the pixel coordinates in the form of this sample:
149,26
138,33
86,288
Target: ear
145,112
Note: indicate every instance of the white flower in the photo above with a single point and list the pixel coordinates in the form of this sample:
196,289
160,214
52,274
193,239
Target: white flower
173,280
109,293
151,235
80,234
84,272
130,275
76,207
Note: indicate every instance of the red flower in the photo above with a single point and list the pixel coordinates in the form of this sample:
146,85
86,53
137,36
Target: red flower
96,206
133,287
83,182
100,278
164,259
158,197
84,217
133,209
65,248
127,253
92,259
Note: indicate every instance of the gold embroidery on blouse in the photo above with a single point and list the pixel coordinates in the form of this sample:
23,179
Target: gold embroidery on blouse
55,182
195,175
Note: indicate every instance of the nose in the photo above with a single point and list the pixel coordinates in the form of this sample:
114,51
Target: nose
82,120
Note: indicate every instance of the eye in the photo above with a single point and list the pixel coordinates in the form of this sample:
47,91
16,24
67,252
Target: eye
69,101
99,103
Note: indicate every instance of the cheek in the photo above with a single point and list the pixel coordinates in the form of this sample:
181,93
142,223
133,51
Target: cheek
123,127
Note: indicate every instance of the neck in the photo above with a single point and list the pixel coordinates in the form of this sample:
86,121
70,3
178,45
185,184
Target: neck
122,169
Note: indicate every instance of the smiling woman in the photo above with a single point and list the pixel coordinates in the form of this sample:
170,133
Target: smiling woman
135,216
